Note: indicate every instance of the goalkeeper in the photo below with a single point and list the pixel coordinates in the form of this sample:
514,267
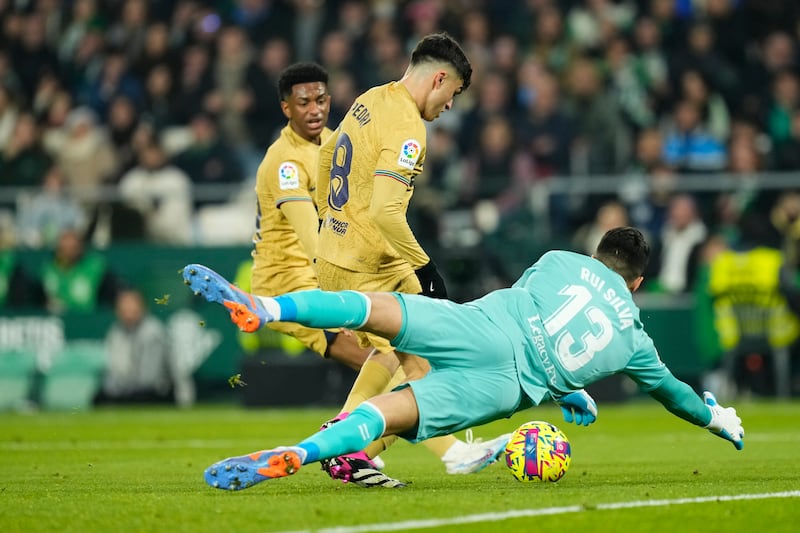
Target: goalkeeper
569,321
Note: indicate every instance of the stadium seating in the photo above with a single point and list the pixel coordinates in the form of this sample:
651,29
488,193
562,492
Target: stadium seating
72,382
17,374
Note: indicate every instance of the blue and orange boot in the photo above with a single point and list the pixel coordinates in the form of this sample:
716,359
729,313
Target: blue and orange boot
245,310
238,473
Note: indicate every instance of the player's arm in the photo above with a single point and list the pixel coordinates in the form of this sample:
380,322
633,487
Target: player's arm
303,218
388,212
681,400
323,177
653,377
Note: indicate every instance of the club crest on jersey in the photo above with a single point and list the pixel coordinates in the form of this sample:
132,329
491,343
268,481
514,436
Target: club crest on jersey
288,176
409,154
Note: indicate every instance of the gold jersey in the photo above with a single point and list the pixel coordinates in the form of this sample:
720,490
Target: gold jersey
382,137
286,174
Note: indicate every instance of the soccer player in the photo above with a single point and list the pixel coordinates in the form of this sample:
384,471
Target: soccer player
569,321
365,181
286,240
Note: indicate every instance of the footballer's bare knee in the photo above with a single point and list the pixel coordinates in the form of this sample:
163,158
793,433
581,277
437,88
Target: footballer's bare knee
385,317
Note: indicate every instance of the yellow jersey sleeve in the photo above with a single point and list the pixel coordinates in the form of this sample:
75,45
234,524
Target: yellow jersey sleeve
287,174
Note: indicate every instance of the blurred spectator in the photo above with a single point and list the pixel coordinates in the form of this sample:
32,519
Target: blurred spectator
139,367
194,83
785,100
714,113
263,116
497,173
8,115
546,130
493,100
83,16
162,193
785,218
157,51
18,289
32,57
76,279
603,141
113,80
128,32
674,261
229,99
651,61
591,23
609,216
343,91
86,155
122,124
701,55
550,43
688,146
777,53
208,160
435,189
159,96
42,216
627,85
786,155
23,161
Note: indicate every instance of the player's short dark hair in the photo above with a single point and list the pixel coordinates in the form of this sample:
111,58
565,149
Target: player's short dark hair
300,73
442,47
625,251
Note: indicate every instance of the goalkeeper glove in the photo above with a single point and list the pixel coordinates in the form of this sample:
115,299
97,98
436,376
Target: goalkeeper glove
431,281
725,422
578,407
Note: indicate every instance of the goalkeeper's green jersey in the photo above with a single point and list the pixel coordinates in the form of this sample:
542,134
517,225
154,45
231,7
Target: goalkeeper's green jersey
579,326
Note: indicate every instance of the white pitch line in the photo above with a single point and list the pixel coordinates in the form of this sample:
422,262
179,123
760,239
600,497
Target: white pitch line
522,513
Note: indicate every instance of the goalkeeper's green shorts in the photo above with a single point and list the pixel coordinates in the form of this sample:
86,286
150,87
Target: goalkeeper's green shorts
473,378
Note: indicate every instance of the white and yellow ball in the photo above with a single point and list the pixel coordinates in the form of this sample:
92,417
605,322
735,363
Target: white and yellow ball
538,451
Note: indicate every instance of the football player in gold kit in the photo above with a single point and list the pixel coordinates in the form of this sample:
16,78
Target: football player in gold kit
286,225
365,182
286,235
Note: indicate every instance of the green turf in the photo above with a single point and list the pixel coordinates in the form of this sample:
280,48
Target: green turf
126,470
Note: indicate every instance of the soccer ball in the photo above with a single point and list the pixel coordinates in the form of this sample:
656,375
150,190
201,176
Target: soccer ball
538,451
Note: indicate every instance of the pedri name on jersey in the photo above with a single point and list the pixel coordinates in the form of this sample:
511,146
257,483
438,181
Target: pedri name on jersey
610,295
360,113
339,227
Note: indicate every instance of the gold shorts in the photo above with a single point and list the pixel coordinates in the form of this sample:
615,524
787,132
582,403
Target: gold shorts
335,278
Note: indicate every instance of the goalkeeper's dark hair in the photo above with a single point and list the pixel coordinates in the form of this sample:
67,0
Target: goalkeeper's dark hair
442,47
300,73
625,251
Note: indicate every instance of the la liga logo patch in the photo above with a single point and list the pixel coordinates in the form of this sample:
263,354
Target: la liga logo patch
410,152
288,176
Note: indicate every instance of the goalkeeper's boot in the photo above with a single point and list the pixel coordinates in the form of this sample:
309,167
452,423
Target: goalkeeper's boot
237,473
474,455
356,467
246,311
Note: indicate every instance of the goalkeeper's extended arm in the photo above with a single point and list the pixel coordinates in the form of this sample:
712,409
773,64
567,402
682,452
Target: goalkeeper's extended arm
680,400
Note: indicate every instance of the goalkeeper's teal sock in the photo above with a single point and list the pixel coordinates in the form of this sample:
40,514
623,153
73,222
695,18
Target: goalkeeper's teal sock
320,309
352,434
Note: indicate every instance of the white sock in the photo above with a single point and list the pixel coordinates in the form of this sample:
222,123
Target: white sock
458,447
271,306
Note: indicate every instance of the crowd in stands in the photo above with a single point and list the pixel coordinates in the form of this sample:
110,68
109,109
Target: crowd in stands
140,120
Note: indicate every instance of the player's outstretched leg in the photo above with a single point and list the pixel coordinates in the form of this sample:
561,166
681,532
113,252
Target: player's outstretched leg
356,467
473,456
246,311
237,473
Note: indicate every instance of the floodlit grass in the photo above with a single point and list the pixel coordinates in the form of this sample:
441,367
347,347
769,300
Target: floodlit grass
141,469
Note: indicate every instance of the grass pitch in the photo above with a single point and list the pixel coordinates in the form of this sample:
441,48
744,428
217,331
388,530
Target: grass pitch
140,470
